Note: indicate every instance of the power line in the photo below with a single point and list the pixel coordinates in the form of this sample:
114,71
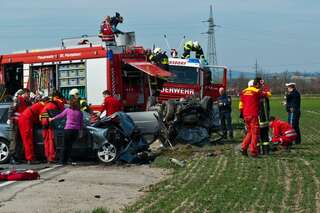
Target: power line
211,49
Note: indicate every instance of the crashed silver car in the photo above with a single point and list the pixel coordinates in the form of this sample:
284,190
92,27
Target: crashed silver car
113,138
188,121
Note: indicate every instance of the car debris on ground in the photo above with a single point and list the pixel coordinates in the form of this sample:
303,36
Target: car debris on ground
188,121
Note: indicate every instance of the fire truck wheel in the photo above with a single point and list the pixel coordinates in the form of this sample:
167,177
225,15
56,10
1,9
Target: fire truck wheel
168,109
4,151
107,153
206,103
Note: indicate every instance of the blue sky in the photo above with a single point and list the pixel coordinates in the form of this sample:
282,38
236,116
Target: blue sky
281,35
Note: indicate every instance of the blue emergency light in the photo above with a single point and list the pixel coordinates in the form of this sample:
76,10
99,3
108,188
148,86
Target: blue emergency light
194,60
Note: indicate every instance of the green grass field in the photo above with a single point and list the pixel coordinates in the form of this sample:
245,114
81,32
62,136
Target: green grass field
230,182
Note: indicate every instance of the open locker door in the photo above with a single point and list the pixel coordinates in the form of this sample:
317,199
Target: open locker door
149,68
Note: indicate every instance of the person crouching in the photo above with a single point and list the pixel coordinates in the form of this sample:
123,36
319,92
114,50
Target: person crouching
283,132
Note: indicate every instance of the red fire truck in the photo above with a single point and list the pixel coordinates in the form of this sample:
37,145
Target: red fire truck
91,67
193,77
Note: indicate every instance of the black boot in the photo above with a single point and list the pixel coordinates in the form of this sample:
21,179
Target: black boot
14,161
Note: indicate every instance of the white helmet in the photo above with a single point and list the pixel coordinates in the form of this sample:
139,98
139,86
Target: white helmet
251,83
196,44
19,92
74,91
157,50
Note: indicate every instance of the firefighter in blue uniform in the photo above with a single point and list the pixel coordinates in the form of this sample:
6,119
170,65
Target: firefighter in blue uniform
224,103
292,103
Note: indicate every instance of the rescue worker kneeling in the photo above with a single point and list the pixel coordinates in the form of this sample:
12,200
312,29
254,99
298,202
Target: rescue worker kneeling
51,108
28,118
283,132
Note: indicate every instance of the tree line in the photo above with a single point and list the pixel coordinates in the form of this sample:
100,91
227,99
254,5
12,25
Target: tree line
277,81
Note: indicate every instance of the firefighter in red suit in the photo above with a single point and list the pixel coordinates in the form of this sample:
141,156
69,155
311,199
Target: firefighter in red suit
23,101
50,109
27,119
106,32
283,132
111,104
249,106
20,102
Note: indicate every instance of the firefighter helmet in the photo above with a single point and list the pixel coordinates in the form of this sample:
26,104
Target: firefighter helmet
19,92
157,50
74,91
251,83
196,44
188,45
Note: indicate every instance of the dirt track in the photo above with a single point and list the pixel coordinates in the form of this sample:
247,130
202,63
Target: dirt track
70,189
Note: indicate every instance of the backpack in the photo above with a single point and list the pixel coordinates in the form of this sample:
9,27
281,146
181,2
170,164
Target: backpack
19,175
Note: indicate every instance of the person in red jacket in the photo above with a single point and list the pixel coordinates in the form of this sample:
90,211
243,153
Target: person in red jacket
283,132
27,119
21,101
249,106
110,104
50,109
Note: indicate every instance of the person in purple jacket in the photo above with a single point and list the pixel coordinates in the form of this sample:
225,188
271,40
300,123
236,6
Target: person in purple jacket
72,128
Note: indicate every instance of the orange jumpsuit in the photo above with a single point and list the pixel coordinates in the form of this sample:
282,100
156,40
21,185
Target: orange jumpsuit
47,130
249,106
27,119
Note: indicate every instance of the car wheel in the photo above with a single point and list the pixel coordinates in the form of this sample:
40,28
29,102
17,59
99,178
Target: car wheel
107,153
168,110
4,151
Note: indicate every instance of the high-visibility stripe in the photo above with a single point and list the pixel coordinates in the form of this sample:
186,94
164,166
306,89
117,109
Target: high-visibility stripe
289,131
240,105
263,124
269,94
292,134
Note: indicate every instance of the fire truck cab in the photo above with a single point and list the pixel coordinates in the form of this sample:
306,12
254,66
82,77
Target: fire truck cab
192,77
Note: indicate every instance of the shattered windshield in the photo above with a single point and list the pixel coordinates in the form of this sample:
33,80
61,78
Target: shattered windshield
184,75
